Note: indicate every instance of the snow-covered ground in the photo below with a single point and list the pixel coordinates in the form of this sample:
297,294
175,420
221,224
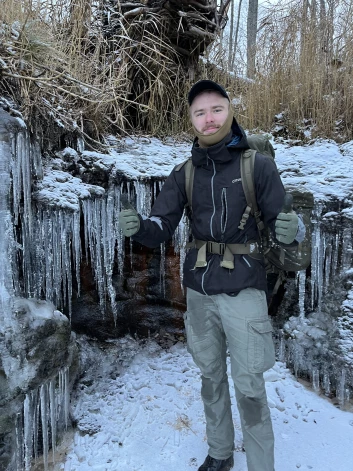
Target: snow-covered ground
138,408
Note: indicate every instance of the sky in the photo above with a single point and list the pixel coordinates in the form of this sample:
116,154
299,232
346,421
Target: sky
138,406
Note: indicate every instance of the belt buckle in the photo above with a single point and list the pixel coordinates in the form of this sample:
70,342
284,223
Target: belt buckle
219,247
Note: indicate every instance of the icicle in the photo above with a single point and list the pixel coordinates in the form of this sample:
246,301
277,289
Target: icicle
335,254
19,442
45,409
301,276
22,179
328,263
36,159
76,247
128,186
316,379
7,259
347,395
28,431
346,249
326,383
318,247
102,236
296,356
92,215
56,242
109,241
66,397
118,233
22,205
52,416
143,197
44,402
341,386
80,144
36,420
282,347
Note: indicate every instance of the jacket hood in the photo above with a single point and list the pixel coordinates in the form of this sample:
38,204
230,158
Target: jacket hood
219,153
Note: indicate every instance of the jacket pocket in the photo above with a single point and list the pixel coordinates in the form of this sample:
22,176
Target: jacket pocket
261,350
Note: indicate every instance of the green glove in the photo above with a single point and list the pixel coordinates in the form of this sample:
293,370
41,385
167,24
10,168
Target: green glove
286,227
129,222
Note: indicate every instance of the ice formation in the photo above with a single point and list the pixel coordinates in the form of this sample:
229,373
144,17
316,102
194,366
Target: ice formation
44,411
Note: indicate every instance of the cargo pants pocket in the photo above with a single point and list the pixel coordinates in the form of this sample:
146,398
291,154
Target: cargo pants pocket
261,350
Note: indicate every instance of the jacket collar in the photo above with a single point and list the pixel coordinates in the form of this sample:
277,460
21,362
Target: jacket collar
220,152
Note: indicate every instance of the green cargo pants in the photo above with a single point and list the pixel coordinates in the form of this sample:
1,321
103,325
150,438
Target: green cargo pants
241,324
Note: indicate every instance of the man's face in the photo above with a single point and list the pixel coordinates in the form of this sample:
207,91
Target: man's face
209,111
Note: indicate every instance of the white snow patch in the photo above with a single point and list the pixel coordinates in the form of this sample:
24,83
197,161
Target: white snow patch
146,414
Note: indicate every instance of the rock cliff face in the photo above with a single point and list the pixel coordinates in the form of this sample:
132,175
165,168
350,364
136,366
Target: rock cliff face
148,296
64,245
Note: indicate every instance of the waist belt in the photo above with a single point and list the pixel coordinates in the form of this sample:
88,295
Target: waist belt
227,250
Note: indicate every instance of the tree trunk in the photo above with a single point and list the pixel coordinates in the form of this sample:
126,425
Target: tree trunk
235,43
323,28
330,31
304,30
251,37
231,30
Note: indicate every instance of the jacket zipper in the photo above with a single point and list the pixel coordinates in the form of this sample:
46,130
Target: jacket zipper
211,221
224,213
212,194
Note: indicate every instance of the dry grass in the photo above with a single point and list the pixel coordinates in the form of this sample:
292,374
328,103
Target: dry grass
66,63
59,63
301,74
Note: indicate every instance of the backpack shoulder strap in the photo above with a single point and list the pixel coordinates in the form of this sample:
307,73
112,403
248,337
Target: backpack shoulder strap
189,179
247,165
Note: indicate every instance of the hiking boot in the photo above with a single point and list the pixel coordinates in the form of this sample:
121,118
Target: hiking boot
211,464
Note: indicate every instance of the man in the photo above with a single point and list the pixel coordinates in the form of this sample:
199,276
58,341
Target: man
226,298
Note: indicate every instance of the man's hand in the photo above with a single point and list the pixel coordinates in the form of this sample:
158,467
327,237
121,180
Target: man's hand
129,222
286,227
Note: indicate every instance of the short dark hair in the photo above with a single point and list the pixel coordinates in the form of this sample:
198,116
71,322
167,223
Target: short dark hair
205,85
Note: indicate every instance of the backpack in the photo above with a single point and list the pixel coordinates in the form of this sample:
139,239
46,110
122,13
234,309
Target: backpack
278,259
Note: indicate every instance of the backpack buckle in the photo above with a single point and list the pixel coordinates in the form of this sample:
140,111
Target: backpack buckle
216,247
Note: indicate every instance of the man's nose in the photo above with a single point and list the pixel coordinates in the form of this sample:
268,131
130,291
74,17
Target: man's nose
209,117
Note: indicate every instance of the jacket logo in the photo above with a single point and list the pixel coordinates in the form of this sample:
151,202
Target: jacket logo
236,180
